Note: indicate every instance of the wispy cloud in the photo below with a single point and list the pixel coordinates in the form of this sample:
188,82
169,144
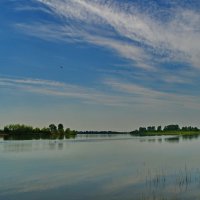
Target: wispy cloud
163,49
136,35
118,93
145,96
34,9
61,89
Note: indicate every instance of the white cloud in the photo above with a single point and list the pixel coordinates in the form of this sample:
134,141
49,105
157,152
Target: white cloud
60,89
149,43
31,8
26,81
135,35
118,93
145,96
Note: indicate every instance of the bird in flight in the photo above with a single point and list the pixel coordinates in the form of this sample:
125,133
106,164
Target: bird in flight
61,67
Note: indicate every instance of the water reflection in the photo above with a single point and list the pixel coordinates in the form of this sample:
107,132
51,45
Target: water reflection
23,146
101,168
160,183
37,137
173,139
151,140
103,137
60,144
190,137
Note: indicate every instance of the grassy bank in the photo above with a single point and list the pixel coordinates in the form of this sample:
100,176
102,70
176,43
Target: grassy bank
163,133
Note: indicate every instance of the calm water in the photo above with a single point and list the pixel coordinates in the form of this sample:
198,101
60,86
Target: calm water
120,167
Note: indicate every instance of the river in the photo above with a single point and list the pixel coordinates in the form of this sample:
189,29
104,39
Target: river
101,167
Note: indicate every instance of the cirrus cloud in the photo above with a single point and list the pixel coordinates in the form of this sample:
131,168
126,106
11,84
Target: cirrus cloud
134,33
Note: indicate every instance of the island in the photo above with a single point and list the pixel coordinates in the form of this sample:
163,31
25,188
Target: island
21,131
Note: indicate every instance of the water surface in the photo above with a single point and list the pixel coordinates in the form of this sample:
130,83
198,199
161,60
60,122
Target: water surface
101,167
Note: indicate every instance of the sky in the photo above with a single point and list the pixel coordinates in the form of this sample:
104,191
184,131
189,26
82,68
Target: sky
100,64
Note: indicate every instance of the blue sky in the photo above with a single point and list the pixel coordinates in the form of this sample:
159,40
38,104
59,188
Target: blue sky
125,64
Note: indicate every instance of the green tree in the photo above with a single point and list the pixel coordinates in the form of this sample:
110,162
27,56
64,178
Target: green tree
67,131
18,129
53,128
172,127
159,128
6,129
142,129
36,130
45,130
151,128
60,128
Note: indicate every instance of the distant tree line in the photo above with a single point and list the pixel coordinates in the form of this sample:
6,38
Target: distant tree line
52,131
21,131
101,132
168,128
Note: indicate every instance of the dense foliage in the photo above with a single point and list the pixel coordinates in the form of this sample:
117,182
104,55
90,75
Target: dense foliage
21,131
53,131
172,129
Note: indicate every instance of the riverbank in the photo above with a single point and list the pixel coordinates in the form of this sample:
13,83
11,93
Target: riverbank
166,133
